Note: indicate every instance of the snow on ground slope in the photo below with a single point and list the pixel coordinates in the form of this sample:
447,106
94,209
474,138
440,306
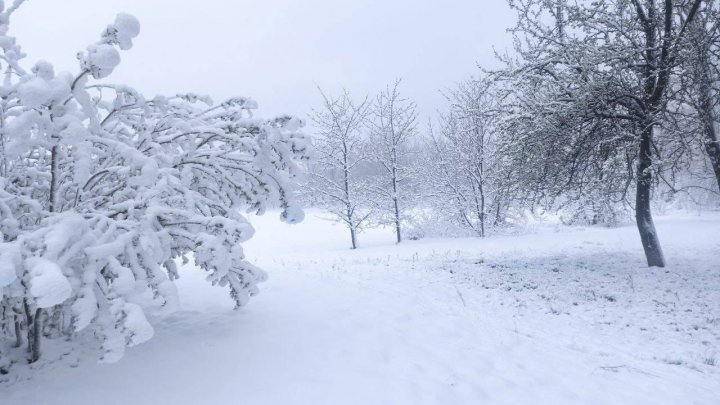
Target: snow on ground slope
558,316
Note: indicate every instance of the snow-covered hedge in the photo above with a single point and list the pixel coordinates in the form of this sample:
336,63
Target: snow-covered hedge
102,190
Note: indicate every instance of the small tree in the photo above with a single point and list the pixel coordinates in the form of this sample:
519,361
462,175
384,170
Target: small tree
340,150
101,190
392,123
464,162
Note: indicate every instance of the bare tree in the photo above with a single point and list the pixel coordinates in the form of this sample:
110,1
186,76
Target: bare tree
463,159
392,124
340,150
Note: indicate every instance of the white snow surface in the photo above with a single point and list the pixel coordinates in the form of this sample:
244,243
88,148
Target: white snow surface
556,316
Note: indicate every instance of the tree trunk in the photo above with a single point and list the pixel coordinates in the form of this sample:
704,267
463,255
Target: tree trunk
353,238
643,215
397,220
707,115
37,331
18,332
481,213
712,146
498,220
396,204
348,203
54,179
34,329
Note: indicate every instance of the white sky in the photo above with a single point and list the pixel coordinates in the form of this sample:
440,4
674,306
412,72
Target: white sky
277,51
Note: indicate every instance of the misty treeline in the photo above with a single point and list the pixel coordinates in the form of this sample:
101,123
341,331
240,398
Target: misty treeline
602,110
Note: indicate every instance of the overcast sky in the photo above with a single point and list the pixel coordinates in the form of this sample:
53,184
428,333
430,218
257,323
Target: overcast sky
277,51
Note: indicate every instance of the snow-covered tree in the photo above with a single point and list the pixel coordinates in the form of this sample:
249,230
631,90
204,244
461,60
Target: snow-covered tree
699,87
393,125
463,167
340,150
597,74
102,190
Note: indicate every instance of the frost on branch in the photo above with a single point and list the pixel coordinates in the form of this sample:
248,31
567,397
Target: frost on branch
101,190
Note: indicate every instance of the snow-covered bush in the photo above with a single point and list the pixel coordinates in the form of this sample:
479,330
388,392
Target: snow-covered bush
102,190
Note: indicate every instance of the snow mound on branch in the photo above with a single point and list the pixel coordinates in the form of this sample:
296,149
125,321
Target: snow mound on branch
101,60
44,69
34,92
126,27
135,322
148,174
43,88
47,284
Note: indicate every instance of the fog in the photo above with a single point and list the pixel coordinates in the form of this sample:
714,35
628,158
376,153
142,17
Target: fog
278,51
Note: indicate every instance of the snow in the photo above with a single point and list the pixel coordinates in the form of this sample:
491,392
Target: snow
555,316
292,215
34,92
84,309
123,30
44,70
101,60
135,321
47,283
9,256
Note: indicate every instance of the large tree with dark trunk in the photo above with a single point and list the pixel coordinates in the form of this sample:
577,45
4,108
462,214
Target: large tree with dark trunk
600,71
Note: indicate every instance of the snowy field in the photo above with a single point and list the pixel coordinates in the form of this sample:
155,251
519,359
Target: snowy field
558,316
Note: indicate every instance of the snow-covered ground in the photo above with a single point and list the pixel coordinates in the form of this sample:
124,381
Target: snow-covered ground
556,316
